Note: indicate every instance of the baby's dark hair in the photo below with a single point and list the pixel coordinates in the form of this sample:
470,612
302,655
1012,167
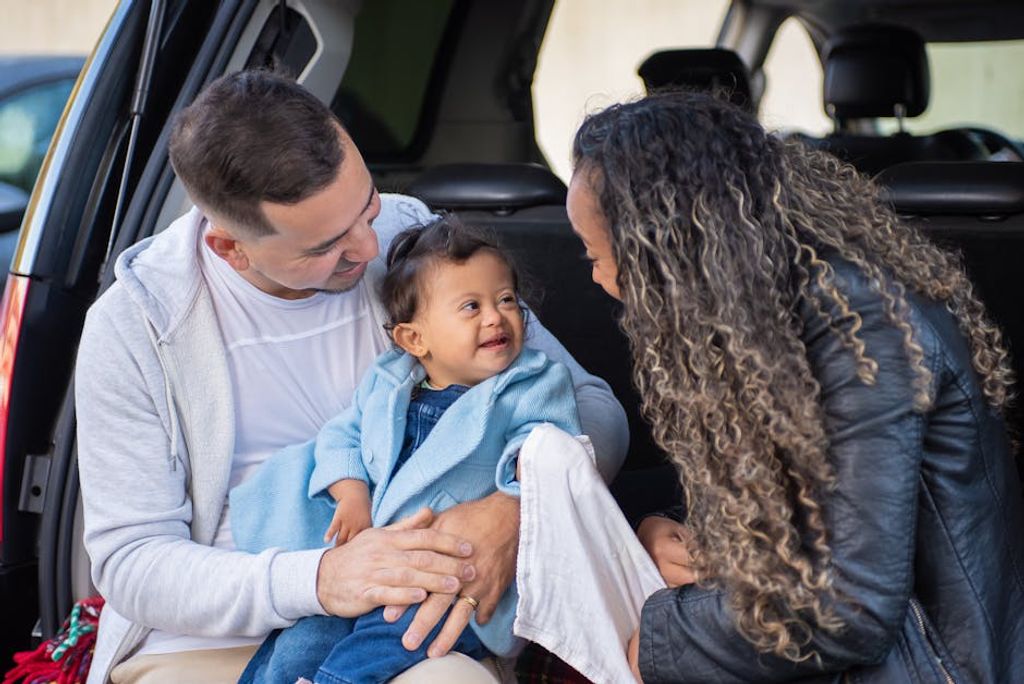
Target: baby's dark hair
416,249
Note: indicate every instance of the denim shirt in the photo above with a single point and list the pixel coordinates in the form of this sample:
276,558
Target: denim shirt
425,408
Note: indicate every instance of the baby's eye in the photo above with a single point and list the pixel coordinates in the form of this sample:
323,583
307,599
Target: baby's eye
508,299
470,306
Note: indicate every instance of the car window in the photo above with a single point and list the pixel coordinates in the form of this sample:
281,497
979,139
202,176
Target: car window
590,55
27,121
793,83
382,95
973,84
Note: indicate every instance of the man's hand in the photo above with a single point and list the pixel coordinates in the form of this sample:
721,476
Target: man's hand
492,525
667,542
352,512
395,565
633,656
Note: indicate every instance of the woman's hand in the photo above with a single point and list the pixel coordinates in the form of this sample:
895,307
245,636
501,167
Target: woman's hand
667,542
633,655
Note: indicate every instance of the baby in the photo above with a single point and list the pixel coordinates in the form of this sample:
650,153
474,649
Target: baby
435,422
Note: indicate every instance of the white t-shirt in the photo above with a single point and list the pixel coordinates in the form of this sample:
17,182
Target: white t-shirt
294,365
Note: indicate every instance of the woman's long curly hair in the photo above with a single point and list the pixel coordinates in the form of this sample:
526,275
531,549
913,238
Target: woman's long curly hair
716,230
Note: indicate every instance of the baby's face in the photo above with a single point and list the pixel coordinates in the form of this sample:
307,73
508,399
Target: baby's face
470,321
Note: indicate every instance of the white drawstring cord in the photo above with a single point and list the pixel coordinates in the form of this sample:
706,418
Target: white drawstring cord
169,397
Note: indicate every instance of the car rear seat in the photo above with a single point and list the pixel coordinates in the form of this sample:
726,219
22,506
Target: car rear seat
525,205
877,71
976,208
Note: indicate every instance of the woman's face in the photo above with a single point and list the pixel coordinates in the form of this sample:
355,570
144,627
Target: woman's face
591,225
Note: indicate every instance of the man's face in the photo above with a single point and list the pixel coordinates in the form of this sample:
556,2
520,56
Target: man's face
322,243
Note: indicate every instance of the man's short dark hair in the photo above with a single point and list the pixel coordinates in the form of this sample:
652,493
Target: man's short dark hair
250,137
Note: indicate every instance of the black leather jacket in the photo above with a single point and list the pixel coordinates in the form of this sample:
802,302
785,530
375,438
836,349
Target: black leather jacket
926,527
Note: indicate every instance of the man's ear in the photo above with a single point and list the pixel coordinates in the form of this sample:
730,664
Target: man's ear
408,337
227,247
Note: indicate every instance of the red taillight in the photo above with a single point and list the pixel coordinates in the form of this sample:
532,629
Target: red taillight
11,311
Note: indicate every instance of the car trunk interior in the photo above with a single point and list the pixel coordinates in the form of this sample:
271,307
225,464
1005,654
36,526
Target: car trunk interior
438,97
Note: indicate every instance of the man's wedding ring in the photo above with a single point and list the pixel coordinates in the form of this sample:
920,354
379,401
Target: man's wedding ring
470,600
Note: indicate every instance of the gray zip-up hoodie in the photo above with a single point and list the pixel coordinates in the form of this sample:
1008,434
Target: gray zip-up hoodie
155,444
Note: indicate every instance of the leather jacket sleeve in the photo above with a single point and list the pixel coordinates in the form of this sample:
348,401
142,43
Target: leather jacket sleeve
876,447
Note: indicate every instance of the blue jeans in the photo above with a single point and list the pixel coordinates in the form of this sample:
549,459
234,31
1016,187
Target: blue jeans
332,650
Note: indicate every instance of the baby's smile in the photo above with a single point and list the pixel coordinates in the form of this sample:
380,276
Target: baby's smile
498,342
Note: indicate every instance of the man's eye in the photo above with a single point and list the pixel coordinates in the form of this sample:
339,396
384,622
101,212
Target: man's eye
325,251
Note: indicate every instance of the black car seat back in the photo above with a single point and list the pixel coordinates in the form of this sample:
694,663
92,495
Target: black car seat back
875,71
716,70
977,209
878,71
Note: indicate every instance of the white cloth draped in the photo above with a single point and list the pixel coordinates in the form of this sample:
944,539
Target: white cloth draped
582,574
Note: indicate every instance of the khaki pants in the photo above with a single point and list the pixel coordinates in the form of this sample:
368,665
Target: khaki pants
225,665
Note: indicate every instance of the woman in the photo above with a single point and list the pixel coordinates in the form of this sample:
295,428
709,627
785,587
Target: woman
831,391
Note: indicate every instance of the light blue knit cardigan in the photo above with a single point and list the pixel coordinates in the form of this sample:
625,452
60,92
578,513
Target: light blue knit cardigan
470,453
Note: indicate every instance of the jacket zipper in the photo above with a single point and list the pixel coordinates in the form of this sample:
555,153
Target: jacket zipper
919,618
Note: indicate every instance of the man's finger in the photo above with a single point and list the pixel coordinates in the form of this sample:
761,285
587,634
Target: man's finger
427,616
488,594
432,540
421,518
426,560
485,612
435,564
393,613
409,577
397,596
457,620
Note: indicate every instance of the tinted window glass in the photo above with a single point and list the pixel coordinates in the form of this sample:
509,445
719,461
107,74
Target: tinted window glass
27,120
793,83
381,98
590,55
979,84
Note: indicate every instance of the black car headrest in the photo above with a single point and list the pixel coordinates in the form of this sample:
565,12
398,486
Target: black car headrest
955,188
499,187
712,69
873,70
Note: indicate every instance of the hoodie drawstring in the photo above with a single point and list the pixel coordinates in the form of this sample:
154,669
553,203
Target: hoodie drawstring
169,397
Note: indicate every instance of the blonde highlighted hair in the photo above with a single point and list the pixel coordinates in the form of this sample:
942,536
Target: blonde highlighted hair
718,230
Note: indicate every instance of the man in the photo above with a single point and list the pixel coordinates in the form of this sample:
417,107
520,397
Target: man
238,330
